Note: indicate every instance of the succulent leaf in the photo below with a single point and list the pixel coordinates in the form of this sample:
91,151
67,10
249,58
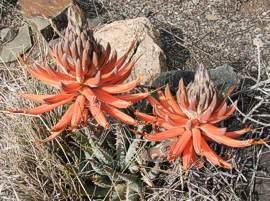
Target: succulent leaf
101,181
124,185
135,191
120,144
97,167
101,154
130,157
127,177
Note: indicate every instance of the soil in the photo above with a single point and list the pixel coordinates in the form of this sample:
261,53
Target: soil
212,32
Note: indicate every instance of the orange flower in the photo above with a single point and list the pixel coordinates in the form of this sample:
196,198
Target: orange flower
89,78
190,122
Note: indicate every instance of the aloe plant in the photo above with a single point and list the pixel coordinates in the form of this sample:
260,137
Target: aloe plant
111,167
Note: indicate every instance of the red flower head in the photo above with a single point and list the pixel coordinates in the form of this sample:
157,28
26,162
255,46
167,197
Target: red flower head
190,121
89,78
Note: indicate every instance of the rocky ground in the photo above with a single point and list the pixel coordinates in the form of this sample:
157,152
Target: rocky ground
235,33
212,31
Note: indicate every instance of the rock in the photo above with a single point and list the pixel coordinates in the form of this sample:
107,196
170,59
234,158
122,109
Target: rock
40,22
60,21
39,13
94,22
212,17
49,9
19,45
44,26
172,78
222,76
7,34
120,34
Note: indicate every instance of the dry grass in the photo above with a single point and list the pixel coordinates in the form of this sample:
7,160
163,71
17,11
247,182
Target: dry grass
28,171
33,172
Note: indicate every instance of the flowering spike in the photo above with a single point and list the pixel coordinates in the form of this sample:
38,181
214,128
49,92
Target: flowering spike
189,122
91,80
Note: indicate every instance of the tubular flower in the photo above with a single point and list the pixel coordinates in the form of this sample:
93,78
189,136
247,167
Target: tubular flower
190,121
89,78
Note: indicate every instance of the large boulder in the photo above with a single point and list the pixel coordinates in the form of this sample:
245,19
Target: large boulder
14,43
222,76
120,35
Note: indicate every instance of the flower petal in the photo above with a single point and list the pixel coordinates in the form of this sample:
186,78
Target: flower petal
171,133
94,107
64,121
220,138
181,144
133,97
111,100
78,111
46,108
121,88
197,137
118,114
212,157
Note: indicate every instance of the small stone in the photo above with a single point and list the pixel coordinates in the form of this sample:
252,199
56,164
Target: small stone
258,42
254,69
257,30
19,45
212,17
120,35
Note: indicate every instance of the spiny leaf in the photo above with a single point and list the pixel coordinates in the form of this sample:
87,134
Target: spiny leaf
127,177
136,186
119,193
131,153
83,141
101,181
132,195
97,167
101,153
120,147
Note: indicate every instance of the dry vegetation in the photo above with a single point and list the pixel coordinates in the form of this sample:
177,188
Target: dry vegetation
235,32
